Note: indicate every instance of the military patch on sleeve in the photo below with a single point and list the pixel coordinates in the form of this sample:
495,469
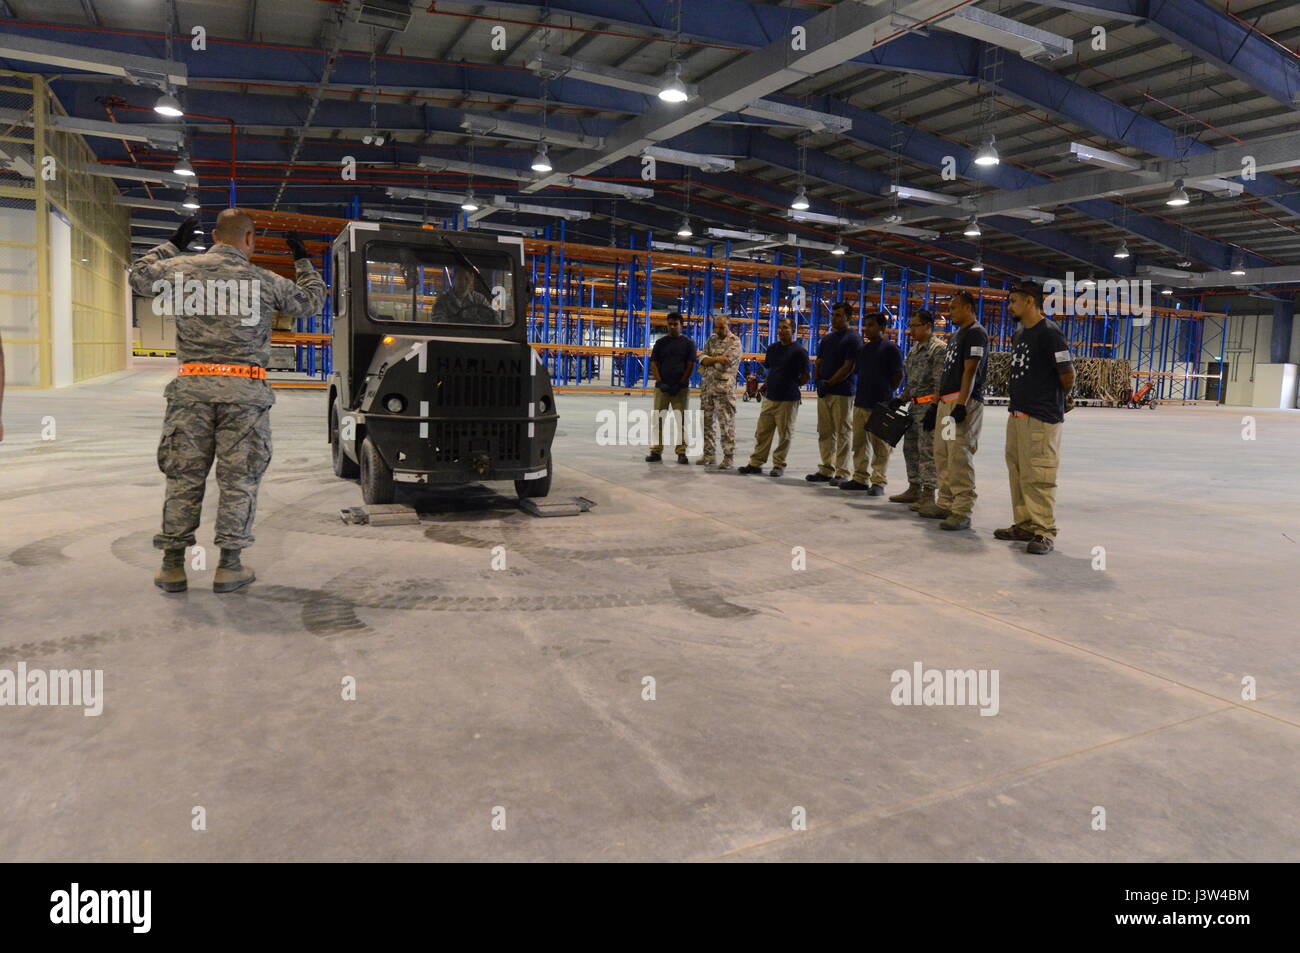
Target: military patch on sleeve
1062,357
977,351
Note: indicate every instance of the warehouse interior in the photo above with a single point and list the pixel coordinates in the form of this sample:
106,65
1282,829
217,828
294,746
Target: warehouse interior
698,665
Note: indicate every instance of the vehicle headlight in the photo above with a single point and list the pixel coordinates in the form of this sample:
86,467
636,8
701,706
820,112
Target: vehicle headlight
395,403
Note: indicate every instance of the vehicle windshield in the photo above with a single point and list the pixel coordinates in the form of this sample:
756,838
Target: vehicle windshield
432,285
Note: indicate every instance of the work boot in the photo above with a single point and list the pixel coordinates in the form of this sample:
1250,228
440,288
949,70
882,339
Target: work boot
1040,545
818,477
910,495
654,456
837,481
725,464
750,469
681,458
876,489
926,495
854,486
1017,533
776,472
955,522
933,511
231,573
704,462
171,577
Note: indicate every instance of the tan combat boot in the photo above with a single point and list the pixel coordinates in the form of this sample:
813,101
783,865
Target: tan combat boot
923,496
171,577
231,573
910,495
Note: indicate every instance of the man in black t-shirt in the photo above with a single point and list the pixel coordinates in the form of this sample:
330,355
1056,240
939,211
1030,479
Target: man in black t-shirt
1041,377
672,361
787,371
879,368
833,373
957,415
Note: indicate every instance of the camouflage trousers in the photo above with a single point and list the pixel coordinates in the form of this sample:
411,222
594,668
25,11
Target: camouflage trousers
719,404
918,448
239,437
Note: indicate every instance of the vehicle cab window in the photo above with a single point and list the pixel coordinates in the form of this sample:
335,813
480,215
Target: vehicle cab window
430,285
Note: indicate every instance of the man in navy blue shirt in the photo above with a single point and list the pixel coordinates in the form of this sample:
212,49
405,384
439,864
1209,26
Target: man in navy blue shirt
833,372
787,371
879,367
672,361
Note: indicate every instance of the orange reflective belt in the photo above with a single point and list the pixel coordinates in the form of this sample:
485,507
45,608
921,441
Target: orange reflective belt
924,400
953,396
1016,413
224,370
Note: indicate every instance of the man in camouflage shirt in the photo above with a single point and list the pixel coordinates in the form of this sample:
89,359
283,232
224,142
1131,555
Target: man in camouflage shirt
923,365
719,360
220,403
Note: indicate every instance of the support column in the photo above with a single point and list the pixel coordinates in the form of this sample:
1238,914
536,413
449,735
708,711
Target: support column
1279,351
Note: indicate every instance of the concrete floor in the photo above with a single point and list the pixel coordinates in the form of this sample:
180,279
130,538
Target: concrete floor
521,688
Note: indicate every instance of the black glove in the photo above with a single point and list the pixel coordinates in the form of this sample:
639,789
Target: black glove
958,413
931,418
185,232
294,241
821,388
896,402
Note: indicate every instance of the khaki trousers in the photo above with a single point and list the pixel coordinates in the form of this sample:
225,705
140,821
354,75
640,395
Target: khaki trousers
1033,457
778,416
954,457
677,403
834,435
870,453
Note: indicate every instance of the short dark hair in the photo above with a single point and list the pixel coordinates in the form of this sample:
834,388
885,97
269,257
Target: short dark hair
924,316
876,316
674,316
1033,289
964,296
842,306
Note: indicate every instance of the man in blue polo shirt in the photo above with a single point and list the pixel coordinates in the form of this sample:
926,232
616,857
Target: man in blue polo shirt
879,367
672,361
833,372
787,371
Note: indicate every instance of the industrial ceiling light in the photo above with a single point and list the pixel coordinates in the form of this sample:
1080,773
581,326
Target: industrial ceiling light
673,90
169,106
1184,263
191,200
183,168
840,249
469,203
978,266
1238,265
1088,282
1178,197
879,276
972,228
801,203
1168,290
684,229
541,162
1121,250
987,154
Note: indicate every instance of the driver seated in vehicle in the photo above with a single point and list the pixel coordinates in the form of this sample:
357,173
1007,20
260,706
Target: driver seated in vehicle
461,303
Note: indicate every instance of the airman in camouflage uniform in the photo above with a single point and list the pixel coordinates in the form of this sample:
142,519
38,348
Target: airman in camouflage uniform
923,366
719,359
220,405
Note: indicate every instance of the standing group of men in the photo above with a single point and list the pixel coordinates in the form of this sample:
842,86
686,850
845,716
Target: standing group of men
942,389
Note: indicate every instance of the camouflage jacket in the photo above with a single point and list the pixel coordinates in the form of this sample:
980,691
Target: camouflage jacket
226,306
720,376
923,367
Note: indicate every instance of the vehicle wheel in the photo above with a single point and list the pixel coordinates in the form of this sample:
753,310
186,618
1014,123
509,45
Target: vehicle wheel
534,489
376,477
343,464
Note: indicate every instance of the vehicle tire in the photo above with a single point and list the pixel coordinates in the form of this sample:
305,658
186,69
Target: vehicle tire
343,464
534,489
376,478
